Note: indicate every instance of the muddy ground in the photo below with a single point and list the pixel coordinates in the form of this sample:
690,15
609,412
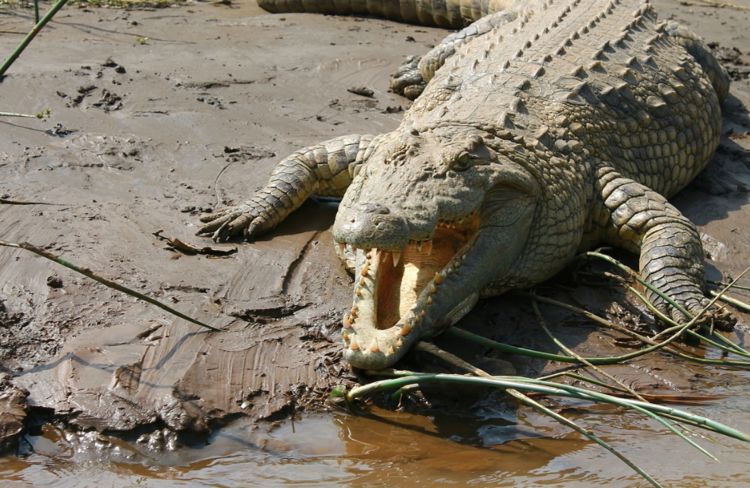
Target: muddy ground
160,114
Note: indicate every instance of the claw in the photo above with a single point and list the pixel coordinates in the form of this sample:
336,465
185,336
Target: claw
214,225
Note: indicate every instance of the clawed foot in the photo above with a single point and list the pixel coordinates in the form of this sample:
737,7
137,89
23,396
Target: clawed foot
716,316
408,81
245,220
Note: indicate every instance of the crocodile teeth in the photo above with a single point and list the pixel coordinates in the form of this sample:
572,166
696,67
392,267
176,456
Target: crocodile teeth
406,329
347,322
374,347
396,255
428,247
419,246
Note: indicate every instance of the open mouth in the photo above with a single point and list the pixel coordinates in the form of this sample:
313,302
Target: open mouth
395,288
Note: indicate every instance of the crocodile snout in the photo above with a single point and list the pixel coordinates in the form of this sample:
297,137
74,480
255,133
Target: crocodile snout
368,225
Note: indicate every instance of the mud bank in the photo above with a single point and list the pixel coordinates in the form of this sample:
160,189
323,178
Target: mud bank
158,115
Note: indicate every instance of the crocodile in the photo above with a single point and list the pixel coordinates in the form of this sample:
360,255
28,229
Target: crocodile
540,129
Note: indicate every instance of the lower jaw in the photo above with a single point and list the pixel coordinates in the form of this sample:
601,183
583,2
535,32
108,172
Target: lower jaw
392,344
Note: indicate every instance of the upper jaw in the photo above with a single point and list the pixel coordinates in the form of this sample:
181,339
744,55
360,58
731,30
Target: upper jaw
399,294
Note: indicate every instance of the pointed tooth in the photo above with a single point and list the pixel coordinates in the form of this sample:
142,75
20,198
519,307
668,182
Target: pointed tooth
396,255
355,311
428,247
419,246
374,346
365,269
406,329
390,351
399,342
438,278
342,247
347,322
354,346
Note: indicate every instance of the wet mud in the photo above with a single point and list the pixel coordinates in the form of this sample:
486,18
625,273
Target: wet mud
160,115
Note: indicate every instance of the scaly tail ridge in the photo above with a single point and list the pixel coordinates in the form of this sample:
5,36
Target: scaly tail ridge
442,13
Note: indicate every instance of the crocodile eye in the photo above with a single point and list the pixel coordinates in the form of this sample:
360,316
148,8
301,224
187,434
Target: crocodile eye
462,162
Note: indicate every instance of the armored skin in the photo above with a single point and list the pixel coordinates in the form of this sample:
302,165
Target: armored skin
539,130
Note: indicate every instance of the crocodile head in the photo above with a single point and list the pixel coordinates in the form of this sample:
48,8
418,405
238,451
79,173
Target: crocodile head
433,218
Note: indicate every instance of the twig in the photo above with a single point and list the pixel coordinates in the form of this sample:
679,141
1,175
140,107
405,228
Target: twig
30,36
451,358
736,286
7,201
111,284
219,200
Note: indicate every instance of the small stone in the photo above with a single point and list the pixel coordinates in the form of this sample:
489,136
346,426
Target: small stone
54,281
361,90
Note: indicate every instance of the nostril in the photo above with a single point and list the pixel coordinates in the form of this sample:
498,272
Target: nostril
374,208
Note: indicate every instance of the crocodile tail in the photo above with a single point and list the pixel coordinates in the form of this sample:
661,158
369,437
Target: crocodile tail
442,13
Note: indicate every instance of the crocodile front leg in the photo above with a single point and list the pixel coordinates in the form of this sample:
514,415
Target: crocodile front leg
671,255
324,169
412,77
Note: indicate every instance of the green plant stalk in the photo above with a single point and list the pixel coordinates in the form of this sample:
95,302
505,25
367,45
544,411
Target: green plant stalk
567,359
582,378
721,295
646,340
30,36
36,11
460,363
111,284
733,301
569,423
547,388
635,276
621,385
728,346
16,114
572,353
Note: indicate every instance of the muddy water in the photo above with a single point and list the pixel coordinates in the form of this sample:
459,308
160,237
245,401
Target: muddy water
194,110
397,450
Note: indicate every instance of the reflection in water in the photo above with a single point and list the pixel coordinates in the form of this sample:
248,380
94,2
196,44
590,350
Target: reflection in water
494,447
